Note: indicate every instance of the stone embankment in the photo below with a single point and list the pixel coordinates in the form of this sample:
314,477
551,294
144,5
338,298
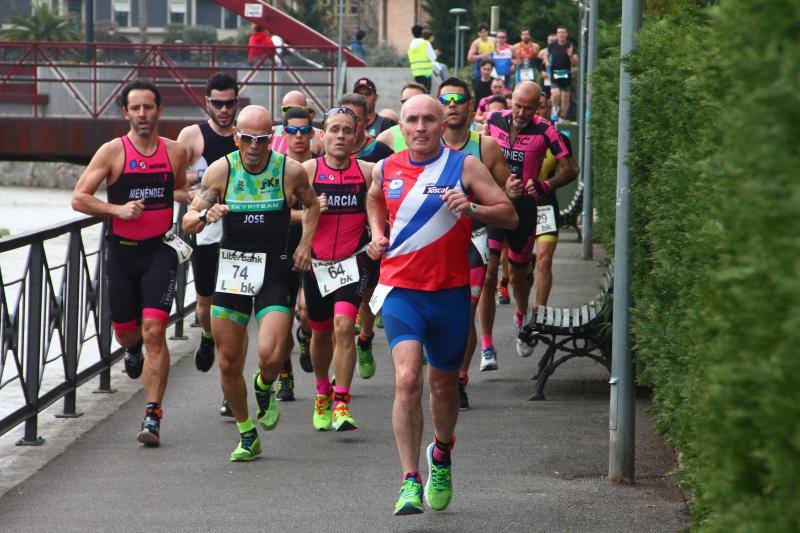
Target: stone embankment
39,174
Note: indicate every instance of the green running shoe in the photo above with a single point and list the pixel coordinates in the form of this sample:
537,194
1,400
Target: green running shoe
249,446
366,363
268,411
439,488
322,413
342,419
285,388
410,501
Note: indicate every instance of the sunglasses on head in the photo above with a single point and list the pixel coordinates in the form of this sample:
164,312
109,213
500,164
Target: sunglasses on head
256,139
219,104
286,108
292,130
458,98
336,110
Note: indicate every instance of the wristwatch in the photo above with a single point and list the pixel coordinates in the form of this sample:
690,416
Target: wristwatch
202,216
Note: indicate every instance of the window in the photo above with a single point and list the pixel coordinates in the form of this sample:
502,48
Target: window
177,11
122,13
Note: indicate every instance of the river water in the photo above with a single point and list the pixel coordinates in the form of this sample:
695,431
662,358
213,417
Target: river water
29,209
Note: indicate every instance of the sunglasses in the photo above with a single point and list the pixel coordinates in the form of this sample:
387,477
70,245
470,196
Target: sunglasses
256,139
286,108
336,110
458,98
304,130
219,104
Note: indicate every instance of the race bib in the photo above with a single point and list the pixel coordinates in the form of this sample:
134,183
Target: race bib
526,74
332,275
378,296
240,272
561,74
545,219
177,244
480,240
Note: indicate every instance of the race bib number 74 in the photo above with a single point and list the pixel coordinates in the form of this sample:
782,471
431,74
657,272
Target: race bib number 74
240,272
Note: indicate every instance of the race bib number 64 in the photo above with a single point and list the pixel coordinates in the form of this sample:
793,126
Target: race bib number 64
240,272
332,275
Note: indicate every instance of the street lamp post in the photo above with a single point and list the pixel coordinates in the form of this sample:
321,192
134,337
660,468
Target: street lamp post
458,12
464,30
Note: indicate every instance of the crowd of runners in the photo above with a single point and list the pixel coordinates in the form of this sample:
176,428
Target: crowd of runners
325,234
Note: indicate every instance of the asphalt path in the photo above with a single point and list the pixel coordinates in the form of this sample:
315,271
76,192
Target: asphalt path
518,465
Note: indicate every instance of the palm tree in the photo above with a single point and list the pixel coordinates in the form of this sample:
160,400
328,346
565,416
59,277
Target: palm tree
43,25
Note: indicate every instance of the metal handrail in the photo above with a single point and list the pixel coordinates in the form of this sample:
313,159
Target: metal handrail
43,315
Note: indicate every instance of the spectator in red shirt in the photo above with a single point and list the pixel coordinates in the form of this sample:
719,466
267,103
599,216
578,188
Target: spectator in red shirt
259,45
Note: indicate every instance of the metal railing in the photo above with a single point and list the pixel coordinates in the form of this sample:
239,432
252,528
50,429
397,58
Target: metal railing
50,321
89,76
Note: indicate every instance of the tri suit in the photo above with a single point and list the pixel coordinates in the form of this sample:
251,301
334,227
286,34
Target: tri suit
524,158
141,269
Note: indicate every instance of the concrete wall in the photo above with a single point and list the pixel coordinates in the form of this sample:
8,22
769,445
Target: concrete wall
46,175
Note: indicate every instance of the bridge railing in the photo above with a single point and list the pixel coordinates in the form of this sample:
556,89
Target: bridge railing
55,324
85,79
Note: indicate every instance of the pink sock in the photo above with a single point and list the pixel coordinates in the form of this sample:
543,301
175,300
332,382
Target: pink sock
486,342
324,386
340,395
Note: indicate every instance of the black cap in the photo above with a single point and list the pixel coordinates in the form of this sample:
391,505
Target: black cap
365,82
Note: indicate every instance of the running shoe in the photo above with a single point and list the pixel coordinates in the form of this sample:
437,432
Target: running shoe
134,362
521,327
285,388
489,359
410,501
366,363
149,435
342,419
379,321
502,295
249,446
204,354
225,410
304,344
268,411
463,401
322,412
439,488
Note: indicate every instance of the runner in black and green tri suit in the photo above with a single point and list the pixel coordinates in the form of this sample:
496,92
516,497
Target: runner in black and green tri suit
250,191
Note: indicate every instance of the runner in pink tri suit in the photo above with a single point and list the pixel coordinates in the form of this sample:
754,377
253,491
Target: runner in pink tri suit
524,138
141,268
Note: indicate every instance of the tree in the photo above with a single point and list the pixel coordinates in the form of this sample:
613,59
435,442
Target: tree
43,24
316,15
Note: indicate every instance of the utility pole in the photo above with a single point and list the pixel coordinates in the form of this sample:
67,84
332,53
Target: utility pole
621,422
586,155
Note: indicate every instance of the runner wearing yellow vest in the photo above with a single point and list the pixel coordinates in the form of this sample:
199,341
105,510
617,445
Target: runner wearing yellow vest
421,58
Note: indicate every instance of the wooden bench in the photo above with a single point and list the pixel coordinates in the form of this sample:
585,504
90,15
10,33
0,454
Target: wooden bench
568,217
578,332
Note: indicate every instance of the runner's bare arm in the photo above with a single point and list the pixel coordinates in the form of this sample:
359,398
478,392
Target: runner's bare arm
387,137
298,184
367,169
192,139
567,171
494,160
211,190
377,214
494,209
177,153
102,168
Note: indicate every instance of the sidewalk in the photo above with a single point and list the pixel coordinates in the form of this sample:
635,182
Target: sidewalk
518,465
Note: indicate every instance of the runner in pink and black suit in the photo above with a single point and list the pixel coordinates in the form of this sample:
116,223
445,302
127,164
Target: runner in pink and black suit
524,138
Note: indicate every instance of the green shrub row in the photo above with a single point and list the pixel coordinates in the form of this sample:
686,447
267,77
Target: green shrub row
716,217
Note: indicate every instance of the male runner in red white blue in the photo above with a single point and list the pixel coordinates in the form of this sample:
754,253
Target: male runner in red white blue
428,195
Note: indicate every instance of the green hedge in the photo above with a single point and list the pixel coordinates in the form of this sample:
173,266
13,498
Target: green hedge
716,198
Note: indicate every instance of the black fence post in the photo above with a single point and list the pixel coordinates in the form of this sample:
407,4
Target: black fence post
33,341
71,304
105,320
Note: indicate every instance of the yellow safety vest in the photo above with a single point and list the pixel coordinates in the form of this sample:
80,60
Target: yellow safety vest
418,59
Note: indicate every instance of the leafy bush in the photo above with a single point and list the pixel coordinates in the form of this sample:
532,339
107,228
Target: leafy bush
717,254
385,55
201,34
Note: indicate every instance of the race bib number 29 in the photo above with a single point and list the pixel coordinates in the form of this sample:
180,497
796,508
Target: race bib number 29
545,220
240,272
